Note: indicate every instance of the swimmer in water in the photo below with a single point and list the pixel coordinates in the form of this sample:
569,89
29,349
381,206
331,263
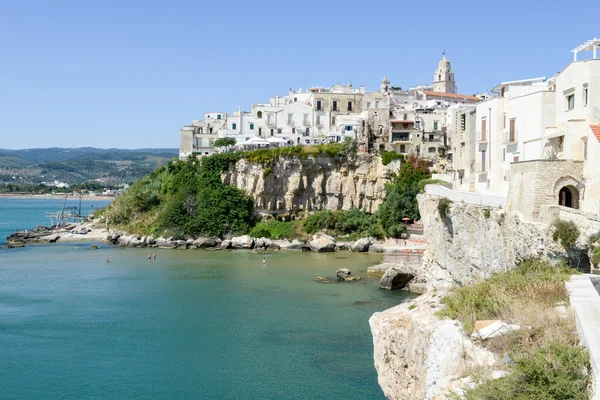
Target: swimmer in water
107,260
264,261
149,256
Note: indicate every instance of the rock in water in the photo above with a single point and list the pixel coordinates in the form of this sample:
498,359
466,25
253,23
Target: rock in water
361,245
343,273
396,277
206,242
321,279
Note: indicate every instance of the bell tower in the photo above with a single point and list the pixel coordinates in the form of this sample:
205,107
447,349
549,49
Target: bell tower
443,78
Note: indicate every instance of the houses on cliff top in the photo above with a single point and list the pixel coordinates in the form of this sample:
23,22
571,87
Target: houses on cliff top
532,142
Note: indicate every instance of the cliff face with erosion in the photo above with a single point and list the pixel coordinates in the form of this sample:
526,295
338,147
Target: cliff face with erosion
472,243
291,184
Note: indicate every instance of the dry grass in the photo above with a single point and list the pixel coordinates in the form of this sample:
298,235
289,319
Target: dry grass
545,358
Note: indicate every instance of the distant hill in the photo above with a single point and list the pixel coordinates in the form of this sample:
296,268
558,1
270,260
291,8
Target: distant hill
113,166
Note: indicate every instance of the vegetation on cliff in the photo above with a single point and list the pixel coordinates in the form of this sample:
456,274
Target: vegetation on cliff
545,359
185,198
188,199
401,198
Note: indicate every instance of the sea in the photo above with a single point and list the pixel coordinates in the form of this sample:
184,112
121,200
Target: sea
190,324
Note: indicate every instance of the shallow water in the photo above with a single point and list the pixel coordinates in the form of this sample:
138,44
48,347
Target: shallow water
189,325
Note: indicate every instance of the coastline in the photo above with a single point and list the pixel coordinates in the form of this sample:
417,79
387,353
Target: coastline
52,196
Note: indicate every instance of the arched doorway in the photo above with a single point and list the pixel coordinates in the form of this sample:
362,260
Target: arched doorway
259,114
568,196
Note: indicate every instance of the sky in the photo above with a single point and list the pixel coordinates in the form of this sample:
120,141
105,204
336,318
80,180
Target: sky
130,74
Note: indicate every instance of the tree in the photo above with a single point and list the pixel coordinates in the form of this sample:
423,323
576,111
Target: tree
224,142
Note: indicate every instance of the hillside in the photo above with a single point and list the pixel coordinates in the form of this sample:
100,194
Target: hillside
111,166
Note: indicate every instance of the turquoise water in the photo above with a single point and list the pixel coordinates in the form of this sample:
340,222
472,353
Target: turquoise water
30,213
188,325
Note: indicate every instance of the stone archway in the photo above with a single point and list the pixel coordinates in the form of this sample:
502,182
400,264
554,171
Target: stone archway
567,192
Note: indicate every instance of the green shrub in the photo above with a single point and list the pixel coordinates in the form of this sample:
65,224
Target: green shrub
354,222
274,229
224,142
565,231
595,259
559,371
389,156
444,207
487,214
267,172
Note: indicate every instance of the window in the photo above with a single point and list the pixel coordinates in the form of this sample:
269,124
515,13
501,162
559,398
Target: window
516,159
295,99
368,105
268,118
198,142
318,120
402,148
319,108
290,116
272,131
431,149
349,106
504,121
377,104
307,131
259,114
348,127
503,154
251,127
482,160
585,95
305,119
513,132
233,126
483,129
218,116
332,120
210,131
293,130
201,129
435,125
334,107
418,124
405,116
259,131
279,131
571,101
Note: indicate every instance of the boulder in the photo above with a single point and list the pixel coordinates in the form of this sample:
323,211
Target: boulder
94,247
206,242
396,277
321,279
273,247
376,248
352,278
150,241
322,244
295,245
262,242
342,274
343,246
225,244
162,242
361,245
242,242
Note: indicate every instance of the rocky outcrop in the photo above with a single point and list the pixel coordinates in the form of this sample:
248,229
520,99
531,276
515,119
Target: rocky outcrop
314,183
472,242
344,274
206,242
417,355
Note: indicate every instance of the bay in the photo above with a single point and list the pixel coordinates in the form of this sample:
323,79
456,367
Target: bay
192,324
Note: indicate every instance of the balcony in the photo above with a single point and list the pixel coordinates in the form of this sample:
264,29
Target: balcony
432,139
400,138
306,123
481,138
510,137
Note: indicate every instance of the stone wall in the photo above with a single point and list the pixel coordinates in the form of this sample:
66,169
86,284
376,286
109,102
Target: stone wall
536,183
314,183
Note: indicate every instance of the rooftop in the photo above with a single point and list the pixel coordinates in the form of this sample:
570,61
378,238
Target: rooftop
450,95
596,130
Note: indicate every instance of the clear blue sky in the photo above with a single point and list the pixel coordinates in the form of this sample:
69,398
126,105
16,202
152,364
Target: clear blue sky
129,74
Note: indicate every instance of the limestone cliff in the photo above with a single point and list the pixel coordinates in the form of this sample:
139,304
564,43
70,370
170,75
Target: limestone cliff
473,243
417,355
292,184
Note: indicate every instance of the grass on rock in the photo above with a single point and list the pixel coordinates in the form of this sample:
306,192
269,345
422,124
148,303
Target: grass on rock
547,359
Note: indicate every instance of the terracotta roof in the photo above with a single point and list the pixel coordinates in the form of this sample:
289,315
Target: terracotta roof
596,130
450,95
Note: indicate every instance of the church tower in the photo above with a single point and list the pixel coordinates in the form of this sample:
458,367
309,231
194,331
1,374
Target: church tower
384,87
443,79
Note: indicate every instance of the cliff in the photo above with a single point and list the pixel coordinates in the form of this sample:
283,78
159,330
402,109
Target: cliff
292,184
